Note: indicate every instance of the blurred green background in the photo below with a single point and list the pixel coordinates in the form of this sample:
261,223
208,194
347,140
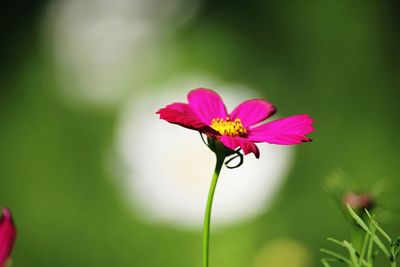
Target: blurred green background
335,60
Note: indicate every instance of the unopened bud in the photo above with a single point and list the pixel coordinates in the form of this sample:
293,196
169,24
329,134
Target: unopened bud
359,201
7,236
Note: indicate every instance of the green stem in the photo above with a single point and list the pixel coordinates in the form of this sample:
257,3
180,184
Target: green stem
207,216
392,258
357,237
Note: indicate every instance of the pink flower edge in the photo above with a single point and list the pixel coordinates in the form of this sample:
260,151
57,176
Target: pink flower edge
204,105
7,236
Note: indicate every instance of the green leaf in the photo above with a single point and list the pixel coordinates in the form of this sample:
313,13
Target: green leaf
337,242
373,235
379,243
335,255
357,218
396,247
378,227
353,253
396,242
364,246
370,246
325,261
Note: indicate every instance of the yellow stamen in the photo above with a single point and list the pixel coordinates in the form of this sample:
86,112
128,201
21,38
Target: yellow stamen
228,127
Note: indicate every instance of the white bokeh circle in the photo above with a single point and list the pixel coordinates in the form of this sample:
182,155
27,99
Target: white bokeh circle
101,48
169,168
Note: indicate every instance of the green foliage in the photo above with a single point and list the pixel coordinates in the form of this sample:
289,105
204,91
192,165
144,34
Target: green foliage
372,244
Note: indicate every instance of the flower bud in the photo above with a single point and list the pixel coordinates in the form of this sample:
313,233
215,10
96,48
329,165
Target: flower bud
7,236
359,201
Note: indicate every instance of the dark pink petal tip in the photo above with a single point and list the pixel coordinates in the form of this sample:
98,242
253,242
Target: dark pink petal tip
7,236
182,114
7,214
286,131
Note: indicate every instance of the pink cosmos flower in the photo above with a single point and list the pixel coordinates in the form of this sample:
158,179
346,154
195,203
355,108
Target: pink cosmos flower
206,113
7,236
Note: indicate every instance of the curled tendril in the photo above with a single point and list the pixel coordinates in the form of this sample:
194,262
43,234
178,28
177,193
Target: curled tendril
237,155
204,141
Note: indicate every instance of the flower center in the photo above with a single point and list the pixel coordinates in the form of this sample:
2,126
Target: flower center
228,127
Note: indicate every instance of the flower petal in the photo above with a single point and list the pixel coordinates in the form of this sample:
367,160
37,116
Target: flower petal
7,236
183,115
286,131
246,145
207,105
253,111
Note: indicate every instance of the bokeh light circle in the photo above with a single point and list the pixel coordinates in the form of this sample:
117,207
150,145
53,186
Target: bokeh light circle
168,168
